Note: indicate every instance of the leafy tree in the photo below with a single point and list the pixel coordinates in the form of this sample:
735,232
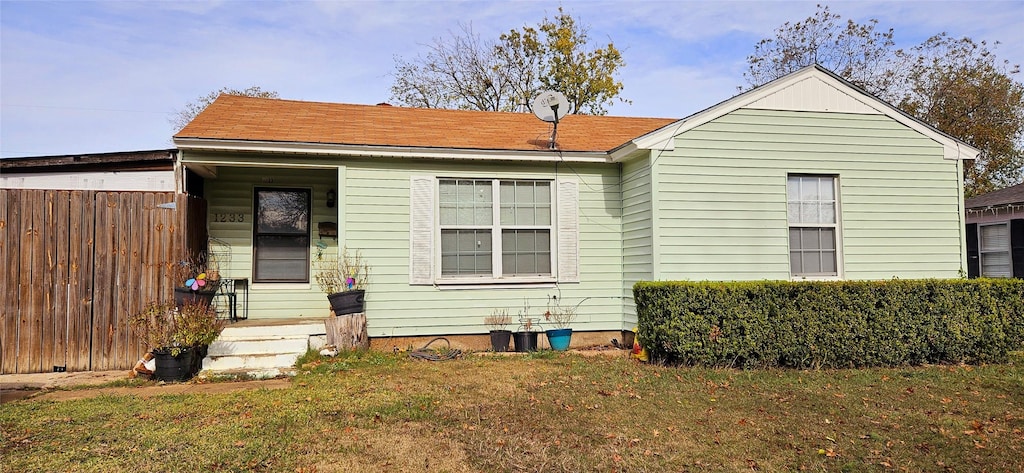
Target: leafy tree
465,72
856,52
956,85
193,108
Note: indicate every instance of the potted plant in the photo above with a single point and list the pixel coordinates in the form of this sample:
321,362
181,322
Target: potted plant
177,336
196,284
343,278
526,335
560,336
498,322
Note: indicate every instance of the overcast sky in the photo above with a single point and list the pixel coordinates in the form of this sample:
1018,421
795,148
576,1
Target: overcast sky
85,77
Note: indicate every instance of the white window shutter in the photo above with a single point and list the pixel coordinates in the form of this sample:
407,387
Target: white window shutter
421,230
568,231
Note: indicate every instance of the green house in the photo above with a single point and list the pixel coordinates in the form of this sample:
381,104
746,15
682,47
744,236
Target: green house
460,213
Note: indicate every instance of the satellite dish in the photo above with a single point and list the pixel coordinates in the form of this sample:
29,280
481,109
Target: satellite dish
550,106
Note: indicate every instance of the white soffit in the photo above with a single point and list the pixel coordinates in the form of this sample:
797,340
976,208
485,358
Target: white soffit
811,94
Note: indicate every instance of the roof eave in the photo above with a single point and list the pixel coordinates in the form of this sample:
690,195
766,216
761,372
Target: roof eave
344,150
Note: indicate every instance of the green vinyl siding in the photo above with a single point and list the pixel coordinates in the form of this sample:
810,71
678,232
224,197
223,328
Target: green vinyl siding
377,205
373,216
637,236
721,196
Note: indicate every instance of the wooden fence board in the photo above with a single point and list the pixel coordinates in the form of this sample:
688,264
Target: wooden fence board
123,286
79,250
136,278
43,277
31,267
165,249
46,281
62,239
150,263
103,281
9,235
12,294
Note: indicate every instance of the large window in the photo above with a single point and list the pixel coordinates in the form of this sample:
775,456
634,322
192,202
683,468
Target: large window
493,228
994,249
812,226
281,235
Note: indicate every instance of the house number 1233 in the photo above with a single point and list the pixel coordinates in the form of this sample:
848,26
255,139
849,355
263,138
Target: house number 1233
228,217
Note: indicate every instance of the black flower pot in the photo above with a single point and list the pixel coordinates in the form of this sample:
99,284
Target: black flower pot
500,339
184,295
173,368
525,341
197,358
347,302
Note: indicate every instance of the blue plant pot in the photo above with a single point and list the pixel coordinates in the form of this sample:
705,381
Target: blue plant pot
559,338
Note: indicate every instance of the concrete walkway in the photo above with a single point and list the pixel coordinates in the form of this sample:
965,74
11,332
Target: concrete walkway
50,386
19,386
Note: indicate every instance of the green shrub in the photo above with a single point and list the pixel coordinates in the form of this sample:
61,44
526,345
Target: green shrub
826,324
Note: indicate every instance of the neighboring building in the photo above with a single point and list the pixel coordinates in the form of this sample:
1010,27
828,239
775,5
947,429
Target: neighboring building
462,212
995,233
150,171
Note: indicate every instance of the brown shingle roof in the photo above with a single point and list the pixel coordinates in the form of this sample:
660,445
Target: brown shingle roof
233,117
1008,195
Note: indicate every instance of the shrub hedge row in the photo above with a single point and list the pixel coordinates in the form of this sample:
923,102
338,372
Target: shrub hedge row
831,324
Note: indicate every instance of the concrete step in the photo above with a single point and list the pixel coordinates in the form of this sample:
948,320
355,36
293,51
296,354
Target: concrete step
249,362
242,332
261,350
238,347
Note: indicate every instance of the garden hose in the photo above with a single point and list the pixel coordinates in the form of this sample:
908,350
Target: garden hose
426,353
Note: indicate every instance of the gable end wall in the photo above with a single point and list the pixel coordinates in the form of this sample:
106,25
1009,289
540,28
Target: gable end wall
722,196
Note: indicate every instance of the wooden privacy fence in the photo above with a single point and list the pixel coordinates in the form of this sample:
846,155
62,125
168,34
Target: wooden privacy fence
78,264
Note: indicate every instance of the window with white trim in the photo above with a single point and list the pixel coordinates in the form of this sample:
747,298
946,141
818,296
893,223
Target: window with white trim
811,209
281,235
994,249
495,228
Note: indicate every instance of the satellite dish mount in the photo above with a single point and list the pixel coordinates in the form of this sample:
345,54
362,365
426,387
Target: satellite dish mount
550,106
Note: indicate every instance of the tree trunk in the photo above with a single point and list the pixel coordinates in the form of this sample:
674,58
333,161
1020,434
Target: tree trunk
348,332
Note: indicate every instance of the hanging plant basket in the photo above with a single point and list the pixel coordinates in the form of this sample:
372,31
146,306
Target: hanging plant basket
347,302
184,295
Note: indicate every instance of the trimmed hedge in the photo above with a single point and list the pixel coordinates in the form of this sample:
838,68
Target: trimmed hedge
826,324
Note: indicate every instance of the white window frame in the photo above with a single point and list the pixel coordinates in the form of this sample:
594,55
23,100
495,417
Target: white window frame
835,225
424,235
1003,248
496,229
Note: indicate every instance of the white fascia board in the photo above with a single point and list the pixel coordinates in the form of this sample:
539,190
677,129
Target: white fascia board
663,138
192,144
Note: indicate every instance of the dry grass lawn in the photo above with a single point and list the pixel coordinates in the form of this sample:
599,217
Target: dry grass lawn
546,412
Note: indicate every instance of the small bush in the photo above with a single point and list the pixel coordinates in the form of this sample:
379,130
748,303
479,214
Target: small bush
831,324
